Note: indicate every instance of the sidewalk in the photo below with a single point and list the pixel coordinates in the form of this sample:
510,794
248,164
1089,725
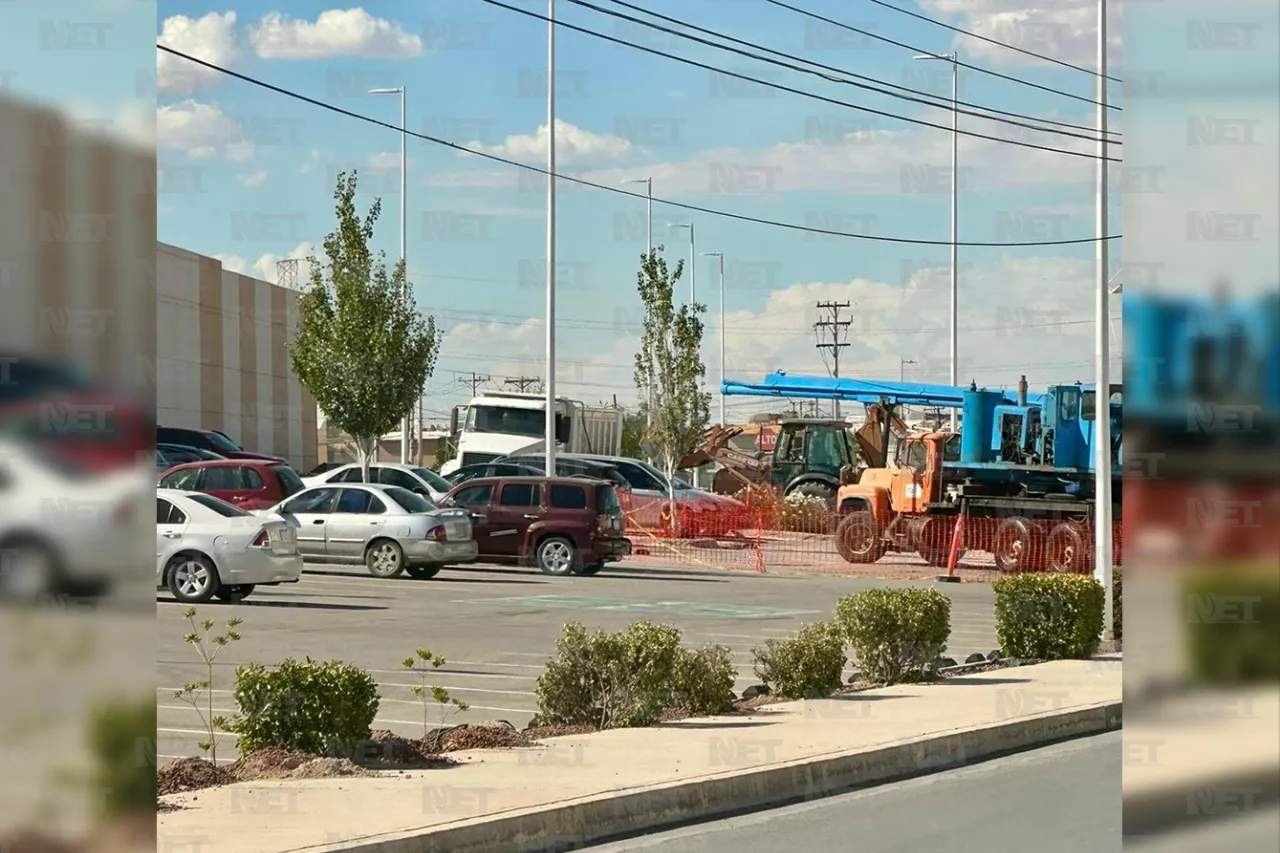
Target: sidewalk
587,788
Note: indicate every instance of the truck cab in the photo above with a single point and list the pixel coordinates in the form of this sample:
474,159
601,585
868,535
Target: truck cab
809,455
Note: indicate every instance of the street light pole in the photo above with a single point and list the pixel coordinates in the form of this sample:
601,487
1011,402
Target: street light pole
1102,544
693,264
902,377
648,182
404,293
720,256
550,436
955,194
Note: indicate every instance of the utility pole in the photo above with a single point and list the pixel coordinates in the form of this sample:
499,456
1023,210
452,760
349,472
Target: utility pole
522,383
836,325
475,381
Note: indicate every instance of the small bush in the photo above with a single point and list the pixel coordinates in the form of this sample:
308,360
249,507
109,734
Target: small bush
805,514
895,632
809,665
319,708
702,683
122,742
609,680
1233,626
1049,616
1117,600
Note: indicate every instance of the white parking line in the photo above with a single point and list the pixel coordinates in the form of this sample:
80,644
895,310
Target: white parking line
402,671
198,732
407,685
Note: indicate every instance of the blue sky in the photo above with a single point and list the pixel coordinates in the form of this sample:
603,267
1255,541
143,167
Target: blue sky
250,172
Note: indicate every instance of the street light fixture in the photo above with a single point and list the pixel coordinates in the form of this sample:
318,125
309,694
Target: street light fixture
404,293
720,255
693,264
955,192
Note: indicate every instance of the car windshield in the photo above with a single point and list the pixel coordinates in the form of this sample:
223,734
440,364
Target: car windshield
289,479
432,479
504,419
409,501
220,441
221,507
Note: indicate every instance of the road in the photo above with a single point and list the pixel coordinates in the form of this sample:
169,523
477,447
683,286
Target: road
1059,799
496,626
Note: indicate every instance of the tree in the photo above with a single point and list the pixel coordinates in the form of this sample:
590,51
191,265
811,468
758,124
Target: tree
669,370
633,435
361,348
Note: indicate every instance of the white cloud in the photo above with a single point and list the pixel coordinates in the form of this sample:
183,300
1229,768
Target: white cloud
310,163
1027,316
211,38
336,32
253,179
265,267
572,144
873,162
1066,30
202,131
386,160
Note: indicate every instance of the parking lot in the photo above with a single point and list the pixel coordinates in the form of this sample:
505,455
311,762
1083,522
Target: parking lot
496,626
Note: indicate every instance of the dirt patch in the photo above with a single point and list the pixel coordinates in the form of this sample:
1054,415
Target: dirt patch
539,732
272,762
329,768
190,774
28,841
671,715
483,737
387,749
758,702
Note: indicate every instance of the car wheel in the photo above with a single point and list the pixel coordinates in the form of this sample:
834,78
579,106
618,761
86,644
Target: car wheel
193,579
588,571
234,593
384,559
422,573
556,556
30,571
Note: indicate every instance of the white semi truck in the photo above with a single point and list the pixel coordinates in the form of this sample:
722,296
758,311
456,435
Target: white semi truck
499,423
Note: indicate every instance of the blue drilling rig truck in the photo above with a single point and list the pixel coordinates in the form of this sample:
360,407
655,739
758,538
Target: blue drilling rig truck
1022,475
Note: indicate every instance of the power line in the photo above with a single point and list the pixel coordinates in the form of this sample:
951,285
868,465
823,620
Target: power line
836,325
523,383
977,68
945,102
474,382
790,226
795,91
996,42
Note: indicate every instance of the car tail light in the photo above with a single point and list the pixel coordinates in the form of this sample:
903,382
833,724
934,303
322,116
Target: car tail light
262,539
437,533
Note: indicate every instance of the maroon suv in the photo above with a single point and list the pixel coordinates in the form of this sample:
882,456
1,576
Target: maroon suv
562,525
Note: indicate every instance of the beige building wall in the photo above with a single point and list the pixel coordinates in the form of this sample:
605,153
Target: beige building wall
221,357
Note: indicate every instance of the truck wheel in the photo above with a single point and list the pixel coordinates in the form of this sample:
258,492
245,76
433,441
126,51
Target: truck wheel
858,538
1068,552
1018,547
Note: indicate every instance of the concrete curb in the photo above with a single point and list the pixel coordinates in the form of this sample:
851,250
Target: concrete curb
1173,806
575,824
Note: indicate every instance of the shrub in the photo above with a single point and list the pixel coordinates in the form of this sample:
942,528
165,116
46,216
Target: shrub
1233,626
609,680
1049,616
895,632
122,742
1116,600
702,683
805,514
319,708
208,646
809,665
422,664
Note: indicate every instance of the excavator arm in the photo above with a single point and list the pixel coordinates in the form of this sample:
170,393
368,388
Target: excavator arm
869,436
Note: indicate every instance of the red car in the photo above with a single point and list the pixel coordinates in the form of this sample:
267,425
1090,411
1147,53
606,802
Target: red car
92,430
208,439
246,483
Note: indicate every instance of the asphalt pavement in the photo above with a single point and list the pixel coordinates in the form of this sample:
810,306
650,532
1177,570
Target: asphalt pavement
496,626
1058,799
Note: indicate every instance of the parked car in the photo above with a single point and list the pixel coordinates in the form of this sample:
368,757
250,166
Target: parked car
178,454
562,525
422,481
207,548
92,429
492,469
580,465
390,529
322,468
208,439
649,497
64,528
246,483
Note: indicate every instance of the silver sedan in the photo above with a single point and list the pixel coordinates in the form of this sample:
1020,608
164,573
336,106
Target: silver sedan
389,529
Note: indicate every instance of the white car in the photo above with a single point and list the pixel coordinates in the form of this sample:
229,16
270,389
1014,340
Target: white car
421,481
65,530
205,547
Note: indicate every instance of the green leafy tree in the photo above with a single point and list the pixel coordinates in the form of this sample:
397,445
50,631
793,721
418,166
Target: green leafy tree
361,348
633,435
669,370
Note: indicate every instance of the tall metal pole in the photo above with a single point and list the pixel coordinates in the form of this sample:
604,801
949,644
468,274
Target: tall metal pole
550,437
404,171
693,268
1102,355
955,270
649,212
720,257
